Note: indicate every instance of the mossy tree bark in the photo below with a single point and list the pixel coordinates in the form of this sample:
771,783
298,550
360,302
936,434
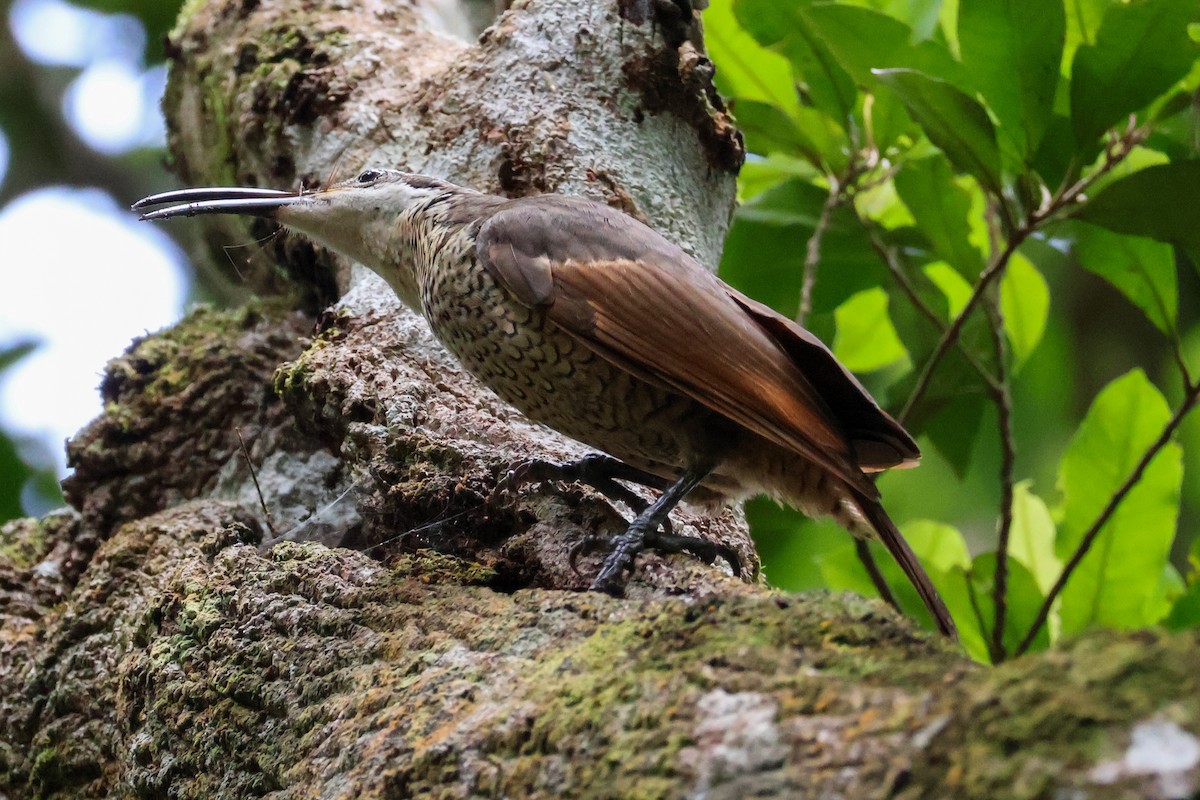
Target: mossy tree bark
413,635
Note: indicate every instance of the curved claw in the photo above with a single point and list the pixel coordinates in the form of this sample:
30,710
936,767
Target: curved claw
588,544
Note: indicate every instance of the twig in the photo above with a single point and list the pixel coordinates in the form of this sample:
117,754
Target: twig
257,488
812,252
882,177
1180,359
888,254
1008,455
881,584
990,273
1116,152
1093,531
973,597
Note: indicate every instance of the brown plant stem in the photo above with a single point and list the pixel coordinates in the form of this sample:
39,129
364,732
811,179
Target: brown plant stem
888,254
990,273
812,250
1008,455
881,585
1093,531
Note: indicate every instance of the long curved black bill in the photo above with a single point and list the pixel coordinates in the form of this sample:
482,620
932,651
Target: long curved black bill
217,200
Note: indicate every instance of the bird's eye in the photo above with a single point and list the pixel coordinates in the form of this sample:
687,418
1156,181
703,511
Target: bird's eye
370,175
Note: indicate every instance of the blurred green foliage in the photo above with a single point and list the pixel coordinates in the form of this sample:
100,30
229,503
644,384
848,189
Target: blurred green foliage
18,478
988,209
14,472
45,150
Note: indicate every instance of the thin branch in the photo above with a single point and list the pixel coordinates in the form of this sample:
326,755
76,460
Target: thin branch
1180,358
812,253
973,597
1115,153
883,176
881,584
1008,455
1093,531
261,500
1000,206
888,254
990,273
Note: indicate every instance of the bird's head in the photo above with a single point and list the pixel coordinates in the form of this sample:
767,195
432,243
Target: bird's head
361,218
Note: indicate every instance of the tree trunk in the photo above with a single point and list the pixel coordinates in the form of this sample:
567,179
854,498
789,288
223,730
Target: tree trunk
396,628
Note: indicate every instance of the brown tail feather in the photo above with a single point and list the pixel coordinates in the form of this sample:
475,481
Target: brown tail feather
907,559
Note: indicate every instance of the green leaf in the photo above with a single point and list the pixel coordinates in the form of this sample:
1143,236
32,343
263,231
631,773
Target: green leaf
14,472
792,203
1157,202
955,429
958,593
953,121
1141,49
825,136
780,26
769,130
792,545
1025,304
1119,582
15,352
940,208
937,545
1031,540
1185,613
1013,49
768,21
887,120
841,569
920,15
943,553
1142,269
866,338
1083,20
863,40
1023,600
822,81
953,285
746,69
1057,154
764,251
759,175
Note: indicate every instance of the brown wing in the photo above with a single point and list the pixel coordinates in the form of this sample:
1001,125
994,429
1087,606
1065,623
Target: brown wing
644,304
879,441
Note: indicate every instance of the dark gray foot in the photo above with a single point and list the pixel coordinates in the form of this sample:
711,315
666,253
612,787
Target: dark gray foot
644,533
626,547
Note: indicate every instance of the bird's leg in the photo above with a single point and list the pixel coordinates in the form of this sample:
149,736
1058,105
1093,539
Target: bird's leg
596,470
644,532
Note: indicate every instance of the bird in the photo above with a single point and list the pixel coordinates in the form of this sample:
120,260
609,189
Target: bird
591,322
